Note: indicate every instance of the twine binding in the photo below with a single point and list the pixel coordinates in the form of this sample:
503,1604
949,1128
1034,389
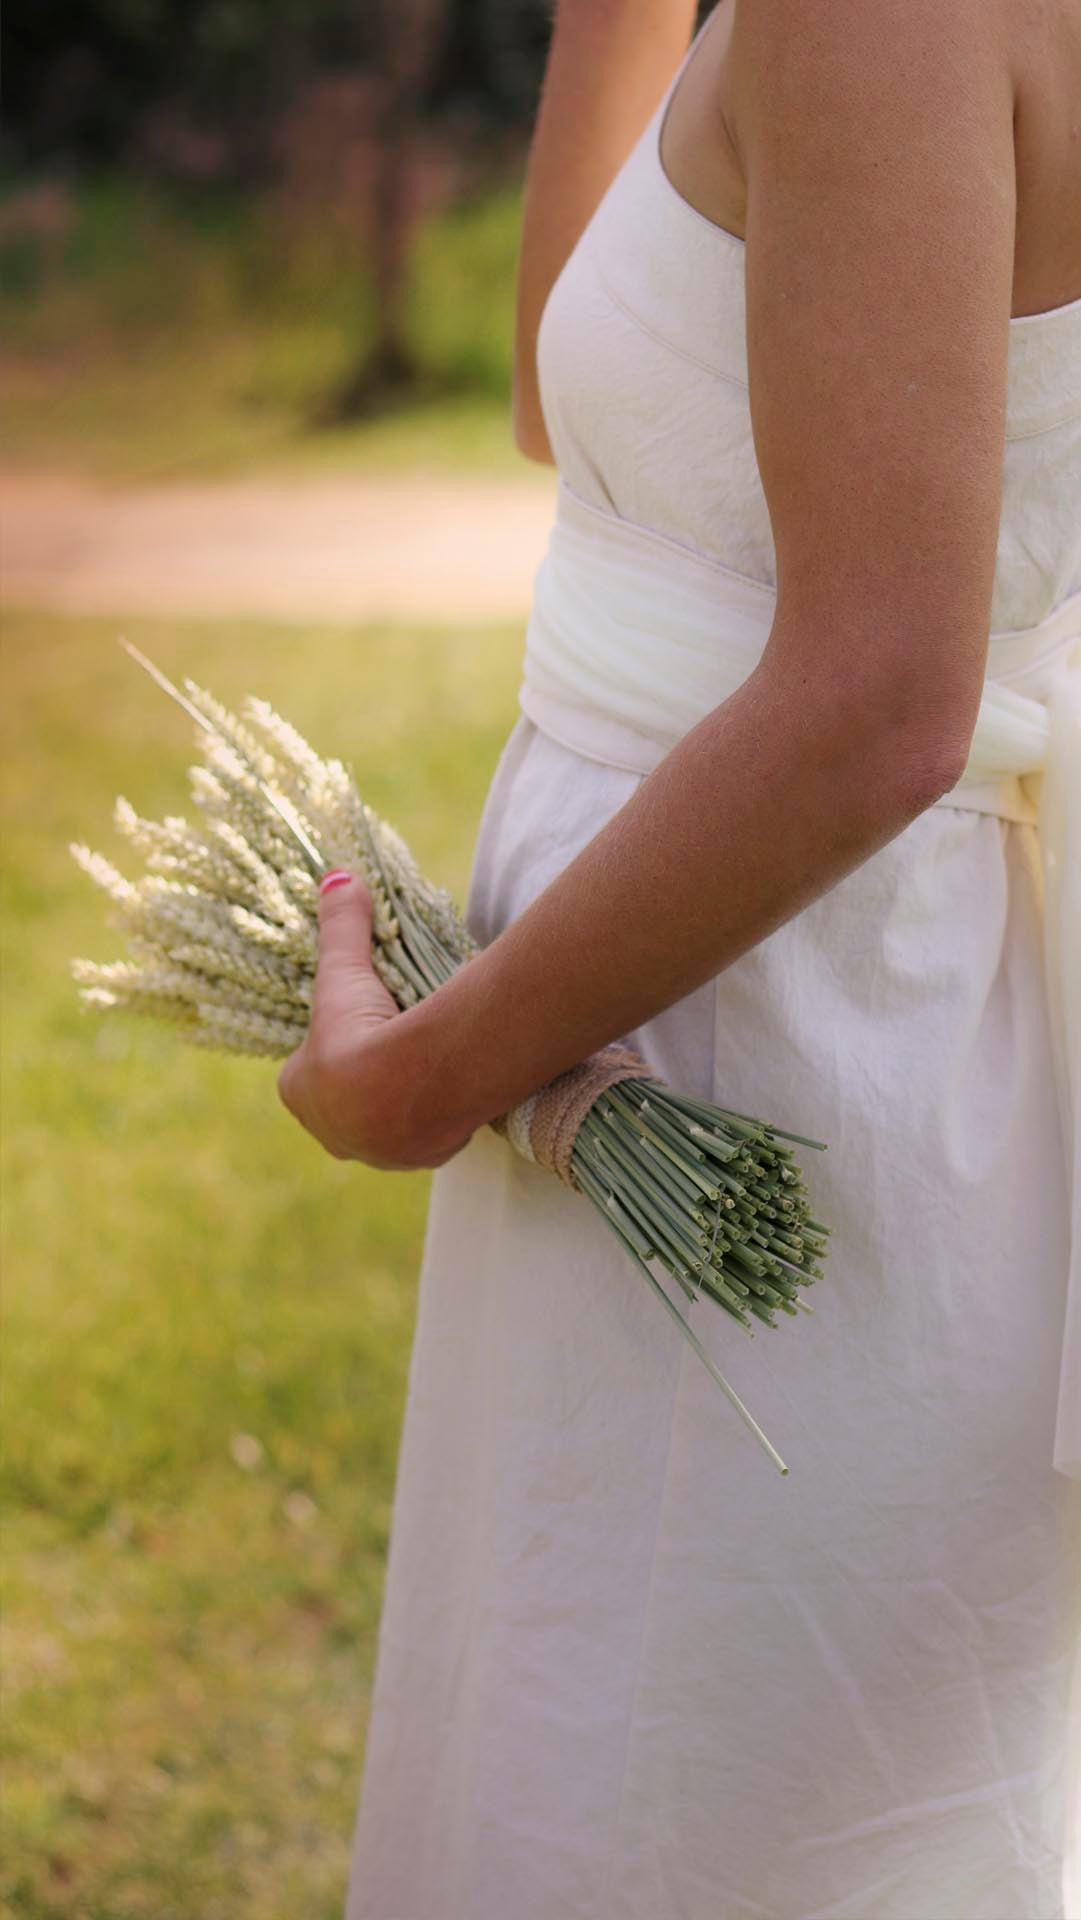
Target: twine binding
545,1127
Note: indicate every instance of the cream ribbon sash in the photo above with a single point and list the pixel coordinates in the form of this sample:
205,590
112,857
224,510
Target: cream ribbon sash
633,638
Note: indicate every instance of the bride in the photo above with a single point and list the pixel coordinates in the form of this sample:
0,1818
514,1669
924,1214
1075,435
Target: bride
800,327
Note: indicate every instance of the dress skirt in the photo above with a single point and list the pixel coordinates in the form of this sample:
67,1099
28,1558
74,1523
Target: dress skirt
626,1670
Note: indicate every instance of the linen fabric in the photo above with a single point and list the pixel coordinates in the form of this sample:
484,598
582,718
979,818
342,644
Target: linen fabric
626,1671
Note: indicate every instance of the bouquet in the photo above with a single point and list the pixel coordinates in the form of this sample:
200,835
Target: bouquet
222,937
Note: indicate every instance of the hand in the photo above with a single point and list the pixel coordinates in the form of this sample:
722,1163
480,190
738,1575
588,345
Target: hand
345,1082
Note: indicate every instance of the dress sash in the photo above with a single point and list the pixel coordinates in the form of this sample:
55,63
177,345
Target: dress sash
634,638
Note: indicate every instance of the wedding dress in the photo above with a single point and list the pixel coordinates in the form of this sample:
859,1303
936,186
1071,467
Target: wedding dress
626,1671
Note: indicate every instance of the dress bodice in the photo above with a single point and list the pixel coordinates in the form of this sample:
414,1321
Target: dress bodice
642,365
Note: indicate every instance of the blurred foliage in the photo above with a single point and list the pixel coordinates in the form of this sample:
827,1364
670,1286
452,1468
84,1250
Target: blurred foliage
154,331
365,119
207,1321
96,82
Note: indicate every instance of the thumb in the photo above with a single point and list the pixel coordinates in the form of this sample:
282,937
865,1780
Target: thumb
347,988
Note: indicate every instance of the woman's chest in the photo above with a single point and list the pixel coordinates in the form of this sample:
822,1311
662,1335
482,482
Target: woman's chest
641,367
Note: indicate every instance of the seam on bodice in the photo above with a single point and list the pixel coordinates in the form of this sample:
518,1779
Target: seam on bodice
1031,430
680,353
640,534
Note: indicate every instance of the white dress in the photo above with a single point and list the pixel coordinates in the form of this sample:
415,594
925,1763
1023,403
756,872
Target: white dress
625,1670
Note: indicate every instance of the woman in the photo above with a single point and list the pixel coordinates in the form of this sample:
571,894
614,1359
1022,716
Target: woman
809,364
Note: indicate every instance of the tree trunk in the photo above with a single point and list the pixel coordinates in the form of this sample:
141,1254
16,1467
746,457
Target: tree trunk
406,36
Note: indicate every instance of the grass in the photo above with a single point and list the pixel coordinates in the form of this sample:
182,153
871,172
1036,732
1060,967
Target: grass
161,337
207,1321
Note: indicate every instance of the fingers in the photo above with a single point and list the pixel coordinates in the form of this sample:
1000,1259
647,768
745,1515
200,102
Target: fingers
321,1083
346,985
291,1083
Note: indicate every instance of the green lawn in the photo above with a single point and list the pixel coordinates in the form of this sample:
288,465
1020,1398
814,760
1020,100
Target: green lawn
207,1322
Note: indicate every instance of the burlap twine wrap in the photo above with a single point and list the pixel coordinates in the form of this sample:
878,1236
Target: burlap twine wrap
545,1127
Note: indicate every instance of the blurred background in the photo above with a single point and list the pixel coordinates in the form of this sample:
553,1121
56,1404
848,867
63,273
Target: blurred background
257,263
243,229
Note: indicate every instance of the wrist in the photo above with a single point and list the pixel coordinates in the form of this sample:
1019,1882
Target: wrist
454,1067
414,1077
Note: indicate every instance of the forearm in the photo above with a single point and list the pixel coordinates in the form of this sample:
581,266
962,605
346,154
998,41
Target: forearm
608,64
762,807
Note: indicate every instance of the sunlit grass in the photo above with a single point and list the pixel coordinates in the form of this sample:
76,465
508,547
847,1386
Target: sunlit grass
207,1322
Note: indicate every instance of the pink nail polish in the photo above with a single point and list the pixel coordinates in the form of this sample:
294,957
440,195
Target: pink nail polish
335,878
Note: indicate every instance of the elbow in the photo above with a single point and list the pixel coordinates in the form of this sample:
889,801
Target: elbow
888,735
944,760
533,442
885,751
919,762
530,432
534,446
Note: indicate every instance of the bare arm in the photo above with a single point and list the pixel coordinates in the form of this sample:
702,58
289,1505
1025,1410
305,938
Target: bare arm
878,150
608,65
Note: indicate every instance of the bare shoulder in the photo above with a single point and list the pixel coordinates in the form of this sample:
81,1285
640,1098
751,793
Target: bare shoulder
861,38
969,105
858,61
878,151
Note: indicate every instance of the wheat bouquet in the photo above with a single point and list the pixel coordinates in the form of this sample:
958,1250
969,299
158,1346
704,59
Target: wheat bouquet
222,936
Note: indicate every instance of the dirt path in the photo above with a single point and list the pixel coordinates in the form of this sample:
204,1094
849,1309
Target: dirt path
403,547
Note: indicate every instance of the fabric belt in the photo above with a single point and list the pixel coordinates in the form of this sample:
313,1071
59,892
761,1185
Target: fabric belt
634,638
